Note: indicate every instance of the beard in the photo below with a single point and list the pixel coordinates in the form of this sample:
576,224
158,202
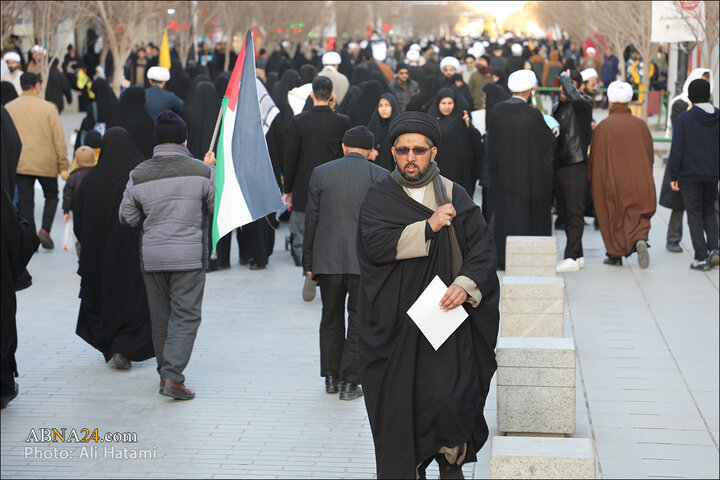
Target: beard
417,176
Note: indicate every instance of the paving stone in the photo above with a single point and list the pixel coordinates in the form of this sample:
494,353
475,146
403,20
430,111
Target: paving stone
533,457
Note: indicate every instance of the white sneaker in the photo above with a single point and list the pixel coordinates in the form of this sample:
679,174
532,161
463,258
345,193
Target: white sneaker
581,262
568,265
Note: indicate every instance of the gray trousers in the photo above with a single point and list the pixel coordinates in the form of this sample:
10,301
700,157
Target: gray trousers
175,302
675,226
297,228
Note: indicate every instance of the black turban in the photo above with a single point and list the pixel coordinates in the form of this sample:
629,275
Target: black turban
415,122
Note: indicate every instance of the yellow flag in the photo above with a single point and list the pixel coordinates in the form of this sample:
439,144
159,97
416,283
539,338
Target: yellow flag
164,60
82,79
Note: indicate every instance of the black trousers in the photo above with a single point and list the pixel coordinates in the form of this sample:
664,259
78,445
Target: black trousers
338,353
699,199
571,182
26,202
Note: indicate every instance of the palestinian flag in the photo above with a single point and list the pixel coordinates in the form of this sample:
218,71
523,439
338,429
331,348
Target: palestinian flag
245,185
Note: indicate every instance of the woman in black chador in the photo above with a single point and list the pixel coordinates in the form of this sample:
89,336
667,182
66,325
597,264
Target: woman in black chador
114,316
462,150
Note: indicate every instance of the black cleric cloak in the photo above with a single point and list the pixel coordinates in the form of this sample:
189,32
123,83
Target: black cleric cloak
114,315
419,399
520,156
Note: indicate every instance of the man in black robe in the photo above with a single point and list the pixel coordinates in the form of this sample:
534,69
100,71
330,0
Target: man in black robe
424,404
520,155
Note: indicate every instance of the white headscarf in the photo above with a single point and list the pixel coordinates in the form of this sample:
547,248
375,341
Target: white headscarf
694,75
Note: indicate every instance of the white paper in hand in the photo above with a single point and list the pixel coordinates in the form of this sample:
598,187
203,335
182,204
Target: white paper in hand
435,324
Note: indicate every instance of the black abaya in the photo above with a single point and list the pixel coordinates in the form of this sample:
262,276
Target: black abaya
459,149
200,116
10,147
114,315
133,117
379,127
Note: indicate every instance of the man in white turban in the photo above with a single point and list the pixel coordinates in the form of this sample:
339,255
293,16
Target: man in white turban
449,66
621,171
12,59
157,99
331,61
520,157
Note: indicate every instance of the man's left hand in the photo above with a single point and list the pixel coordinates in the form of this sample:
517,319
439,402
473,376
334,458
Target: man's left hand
675,186
454,296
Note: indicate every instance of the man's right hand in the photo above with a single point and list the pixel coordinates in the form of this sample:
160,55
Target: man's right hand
287,199
442,217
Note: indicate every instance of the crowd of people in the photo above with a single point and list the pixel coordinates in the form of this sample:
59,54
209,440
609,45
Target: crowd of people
378,154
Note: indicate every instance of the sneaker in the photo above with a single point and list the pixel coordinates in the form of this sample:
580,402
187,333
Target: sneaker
702,265
642,250
568,265
45,239
714,257
581,262
673,247
308,292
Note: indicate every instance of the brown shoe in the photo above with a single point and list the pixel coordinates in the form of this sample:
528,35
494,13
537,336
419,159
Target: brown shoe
176,390
45,239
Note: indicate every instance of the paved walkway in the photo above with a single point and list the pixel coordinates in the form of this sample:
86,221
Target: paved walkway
647,378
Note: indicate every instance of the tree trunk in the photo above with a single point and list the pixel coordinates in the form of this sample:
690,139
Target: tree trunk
228,49
645,87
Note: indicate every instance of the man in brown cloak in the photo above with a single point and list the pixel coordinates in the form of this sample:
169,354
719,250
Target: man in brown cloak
620,169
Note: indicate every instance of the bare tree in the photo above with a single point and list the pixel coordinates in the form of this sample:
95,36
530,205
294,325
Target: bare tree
181,35
48,30
704,28
125,23
10,13
627,23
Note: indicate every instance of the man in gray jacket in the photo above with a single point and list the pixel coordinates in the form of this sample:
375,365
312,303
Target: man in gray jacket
336,192
172,195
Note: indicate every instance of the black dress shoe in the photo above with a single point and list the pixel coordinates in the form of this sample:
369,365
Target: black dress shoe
255,266
8,398
617,261
350,391
331,384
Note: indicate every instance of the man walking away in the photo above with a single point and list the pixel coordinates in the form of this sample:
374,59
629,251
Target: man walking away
314,138
336,192
43,156
172,195
693,170
623,189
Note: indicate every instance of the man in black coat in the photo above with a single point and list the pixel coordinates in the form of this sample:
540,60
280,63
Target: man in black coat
573,112
313,138
336,192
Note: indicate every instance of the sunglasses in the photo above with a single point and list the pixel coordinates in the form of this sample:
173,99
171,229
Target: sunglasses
418,151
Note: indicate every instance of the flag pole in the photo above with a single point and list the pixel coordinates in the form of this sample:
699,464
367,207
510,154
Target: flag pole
217,129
